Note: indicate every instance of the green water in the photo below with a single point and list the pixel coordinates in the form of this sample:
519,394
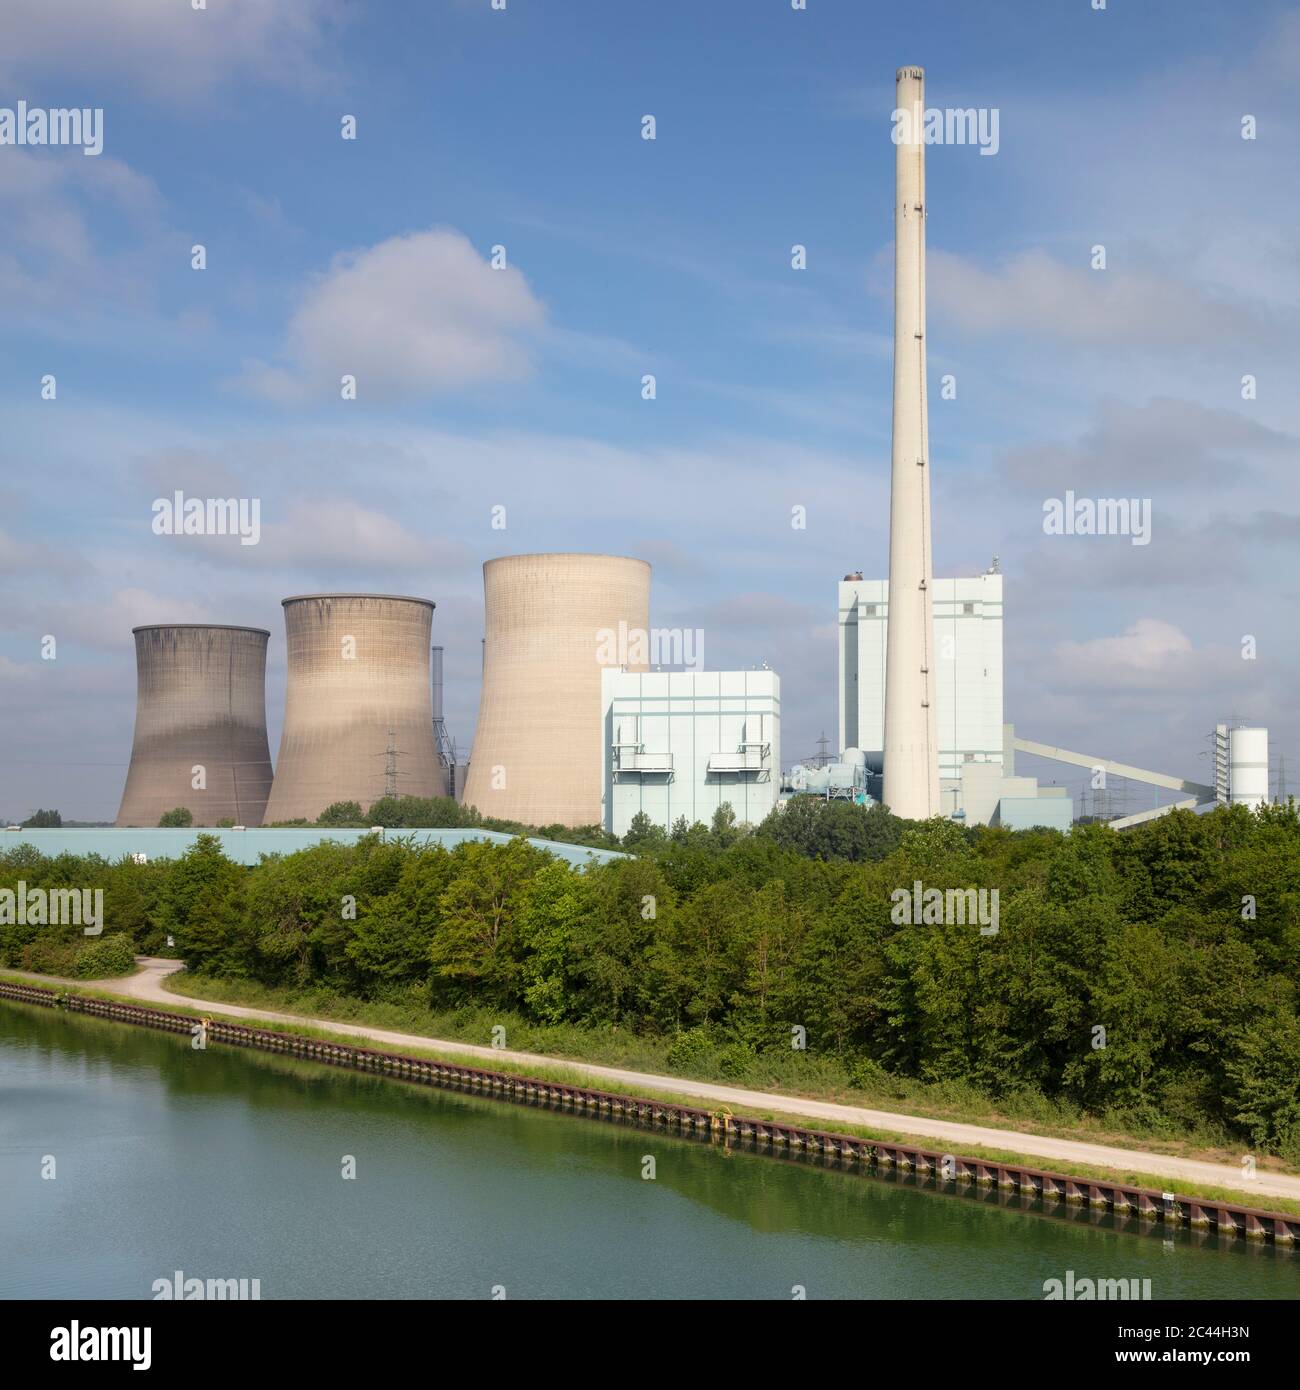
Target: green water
227,1164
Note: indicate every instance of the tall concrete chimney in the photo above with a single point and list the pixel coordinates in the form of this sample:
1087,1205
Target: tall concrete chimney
911,785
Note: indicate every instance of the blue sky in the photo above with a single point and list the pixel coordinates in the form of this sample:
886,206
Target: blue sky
479,388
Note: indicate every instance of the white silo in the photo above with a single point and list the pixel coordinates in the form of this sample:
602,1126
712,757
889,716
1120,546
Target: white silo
1248,767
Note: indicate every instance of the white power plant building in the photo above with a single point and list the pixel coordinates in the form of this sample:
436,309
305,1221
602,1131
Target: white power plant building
967,675
681,743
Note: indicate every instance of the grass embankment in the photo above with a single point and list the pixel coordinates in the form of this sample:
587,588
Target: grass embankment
800,1073
549,1071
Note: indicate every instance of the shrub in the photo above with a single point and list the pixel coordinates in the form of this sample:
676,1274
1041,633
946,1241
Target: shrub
110,955
735,1059
691,1050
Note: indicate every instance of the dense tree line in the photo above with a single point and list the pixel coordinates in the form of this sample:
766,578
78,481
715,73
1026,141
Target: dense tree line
1179,938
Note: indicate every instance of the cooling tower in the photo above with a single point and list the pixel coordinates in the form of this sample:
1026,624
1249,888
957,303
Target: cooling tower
358,718
200,725
551,623
911,783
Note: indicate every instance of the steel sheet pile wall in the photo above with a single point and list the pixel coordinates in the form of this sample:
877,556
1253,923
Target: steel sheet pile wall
200,725
1125,1206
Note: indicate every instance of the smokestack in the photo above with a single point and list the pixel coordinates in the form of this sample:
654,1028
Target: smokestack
911,779
437,684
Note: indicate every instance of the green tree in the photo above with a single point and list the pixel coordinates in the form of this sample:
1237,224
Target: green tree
825,829
398,914
475,947
202,905
644,834
299,903
553,903
1264,1076
723,826
178,816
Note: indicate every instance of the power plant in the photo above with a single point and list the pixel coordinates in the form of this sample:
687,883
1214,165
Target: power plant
911,742
200,725
358,715
550,623
580,723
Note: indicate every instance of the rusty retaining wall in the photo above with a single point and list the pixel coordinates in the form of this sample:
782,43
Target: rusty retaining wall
1135,1208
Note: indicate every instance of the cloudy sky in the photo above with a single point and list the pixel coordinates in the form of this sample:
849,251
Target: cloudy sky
521,387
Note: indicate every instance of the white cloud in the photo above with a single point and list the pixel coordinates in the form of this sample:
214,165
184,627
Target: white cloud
1170,445
1033,293
410,317
48,203
1150,655
20,557
16,672
108,622
338,535
167,47
764,612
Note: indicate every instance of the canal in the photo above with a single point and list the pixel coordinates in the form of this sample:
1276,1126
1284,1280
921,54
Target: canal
229,1164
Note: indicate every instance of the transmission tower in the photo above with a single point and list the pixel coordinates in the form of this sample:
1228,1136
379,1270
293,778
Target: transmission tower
391,754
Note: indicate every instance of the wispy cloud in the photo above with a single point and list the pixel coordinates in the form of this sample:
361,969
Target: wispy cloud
411,317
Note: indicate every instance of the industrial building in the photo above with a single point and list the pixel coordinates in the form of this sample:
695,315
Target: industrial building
683,743
548,624
568,733
250,845
845,778
977,781
967,669
358,714
200,725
